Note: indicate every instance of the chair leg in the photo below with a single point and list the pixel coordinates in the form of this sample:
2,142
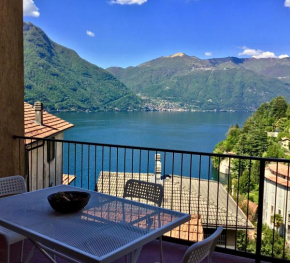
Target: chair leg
209,258
161,249
21,255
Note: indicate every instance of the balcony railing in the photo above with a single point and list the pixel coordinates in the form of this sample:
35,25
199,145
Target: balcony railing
193,183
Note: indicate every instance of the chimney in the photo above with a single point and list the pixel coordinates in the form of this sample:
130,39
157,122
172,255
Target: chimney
158,168
38,107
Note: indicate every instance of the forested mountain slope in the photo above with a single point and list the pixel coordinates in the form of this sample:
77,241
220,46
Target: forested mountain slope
221,84
59,78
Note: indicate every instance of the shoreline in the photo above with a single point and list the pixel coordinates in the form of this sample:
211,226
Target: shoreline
89,111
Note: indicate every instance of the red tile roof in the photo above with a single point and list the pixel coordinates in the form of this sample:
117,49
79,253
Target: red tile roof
191,230
281,169
51,124
280,181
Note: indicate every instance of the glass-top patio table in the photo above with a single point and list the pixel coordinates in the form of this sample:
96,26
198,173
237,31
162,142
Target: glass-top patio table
106,229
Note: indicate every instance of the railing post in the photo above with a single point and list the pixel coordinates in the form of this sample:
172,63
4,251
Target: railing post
27,170
260,211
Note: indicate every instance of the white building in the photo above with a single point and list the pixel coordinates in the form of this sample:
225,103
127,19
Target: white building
44,159
277,196
285,143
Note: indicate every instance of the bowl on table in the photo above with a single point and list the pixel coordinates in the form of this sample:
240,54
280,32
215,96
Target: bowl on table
68,201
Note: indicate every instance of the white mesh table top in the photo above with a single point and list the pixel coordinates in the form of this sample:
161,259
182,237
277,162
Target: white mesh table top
107,228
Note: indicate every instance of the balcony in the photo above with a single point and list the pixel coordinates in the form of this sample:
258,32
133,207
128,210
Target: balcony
191,185
150,253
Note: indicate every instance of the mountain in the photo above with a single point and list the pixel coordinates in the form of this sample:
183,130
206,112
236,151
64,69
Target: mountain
273,67
59,78
211,84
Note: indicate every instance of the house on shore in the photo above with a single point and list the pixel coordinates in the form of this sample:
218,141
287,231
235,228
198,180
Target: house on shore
285,143
277,196
274,134
224,166
44,158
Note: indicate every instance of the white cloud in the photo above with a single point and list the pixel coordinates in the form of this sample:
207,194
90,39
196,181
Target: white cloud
287,3
283,56
266,54
30,9
90,33
250,52
128,2
257,53
208,54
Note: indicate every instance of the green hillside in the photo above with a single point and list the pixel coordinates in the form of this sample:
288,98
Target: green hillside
214,84
256,138
59,78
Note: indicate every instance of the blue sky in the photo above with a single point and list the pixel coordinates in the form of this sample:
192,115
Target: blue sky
129,32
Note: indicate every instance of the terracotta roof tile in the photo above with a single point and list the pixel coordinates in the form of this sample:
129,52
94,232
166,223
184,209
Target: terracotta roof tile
51,124
191,230
281,169
272,177
121,213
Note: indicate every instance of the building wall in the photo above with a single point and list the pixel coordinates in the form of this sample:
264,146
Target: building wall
276,195
11,87
231,238
227,238
42,173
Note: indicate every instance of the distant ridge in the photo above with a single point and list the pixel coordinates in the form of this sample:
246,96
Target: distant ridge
62,80
230,83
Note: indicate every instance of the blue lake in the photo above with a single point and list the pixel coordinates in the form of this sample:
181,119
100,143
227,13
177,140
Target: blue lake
187,131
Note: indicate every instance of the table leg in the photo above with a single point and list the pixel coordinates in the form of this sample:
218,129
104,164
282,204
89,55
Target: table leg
135,255
36,244
30,255
43,249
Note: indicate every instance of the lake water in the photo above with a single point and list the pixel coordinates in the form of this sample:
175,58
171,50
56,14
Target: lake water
192,131
189,131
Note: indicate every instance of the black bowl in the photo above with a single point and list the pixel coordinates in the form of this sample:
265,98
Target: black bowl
76,201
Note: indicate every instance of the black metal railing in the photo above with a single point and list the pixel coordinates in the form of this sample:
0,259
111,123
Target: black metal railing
241,193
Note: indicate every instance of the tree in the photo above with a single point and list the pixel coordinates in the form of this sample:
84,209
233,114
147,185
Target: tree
280,124
244,243
277,220
257,142
278,107
271,241
246,184
274,151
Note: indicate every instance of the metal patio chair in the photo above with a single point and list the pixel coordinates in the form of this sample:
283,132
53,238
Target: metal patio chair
10,186
200,250
147,191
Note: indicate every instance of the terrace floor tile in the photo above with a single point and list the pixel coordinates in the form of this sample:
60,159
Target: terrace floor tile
172,253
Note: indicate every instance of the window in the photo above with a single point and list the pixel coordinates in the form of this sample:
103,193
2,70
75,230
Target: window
272,209
288,217
279,211
50,150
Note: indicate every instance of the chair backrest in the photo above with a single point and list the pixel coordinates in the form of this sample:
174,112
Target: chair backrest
144,190
200,250
12,185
